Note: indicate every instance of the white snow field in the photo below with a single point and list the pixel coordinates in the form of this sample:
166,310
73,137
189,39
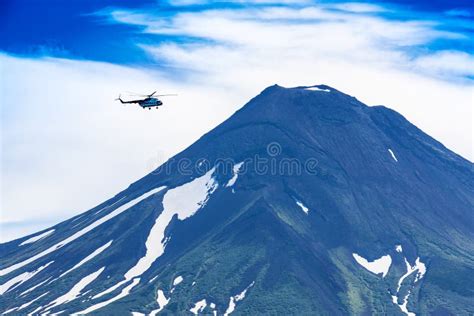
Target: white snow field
421,268
303,207
125,291
236,170
88,258
21,278
177,280
393,155
162,302
82,232
317,89
76,290
38,237
198,307
234,299
183,201
381,265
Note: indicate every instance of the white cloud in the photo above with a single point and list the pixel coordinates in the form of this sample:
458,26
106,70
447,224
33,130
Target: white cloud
266,2
68,146
358,7
447,63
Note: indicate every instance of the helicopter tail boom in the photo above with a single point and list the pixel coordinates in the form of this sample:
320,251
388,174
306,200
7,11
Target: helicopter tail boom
126,102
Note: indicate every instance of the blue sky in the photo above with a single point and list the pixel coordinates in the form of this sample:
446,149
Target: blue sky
68,146
85,30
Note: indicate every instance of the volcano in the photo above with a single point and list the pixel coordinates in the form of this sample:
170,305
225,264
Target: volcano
304,202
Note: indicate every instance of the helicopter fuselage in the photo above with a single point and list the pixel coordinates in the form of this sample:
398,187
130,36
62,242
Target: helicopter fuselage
150,102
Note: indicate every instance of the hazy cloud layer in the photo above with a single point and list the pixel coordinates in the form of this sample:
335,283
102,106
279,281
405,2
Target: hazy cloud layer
67,145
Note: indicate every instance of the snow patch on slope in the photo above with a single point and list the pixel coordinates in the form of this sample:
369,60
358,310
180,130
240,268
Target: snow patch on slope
403,306
125,291
177,280
162,302
183,201
35,287
234,299
418,266
421,268
381,265
393,155
75,291
302,206
409,271
161,298
109,206
32,301
198,307
317,89
88,258
38,237
35,312
21,278
24,305
236,170
9,310
110,289
82,232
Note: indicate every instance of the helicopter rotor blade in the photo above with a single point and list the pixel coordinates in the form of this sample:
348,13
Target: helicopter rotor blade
136,94
149,95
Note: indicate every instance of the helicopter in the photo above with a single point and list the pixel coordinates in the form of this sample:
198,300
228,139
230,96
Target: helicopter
150,100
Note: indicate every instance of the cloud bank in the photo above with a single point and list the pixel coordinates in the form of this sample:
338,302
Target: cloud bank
66,145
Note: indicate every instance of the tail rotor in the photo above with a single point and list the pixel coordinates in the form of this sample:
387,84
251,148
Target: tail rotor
120,99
